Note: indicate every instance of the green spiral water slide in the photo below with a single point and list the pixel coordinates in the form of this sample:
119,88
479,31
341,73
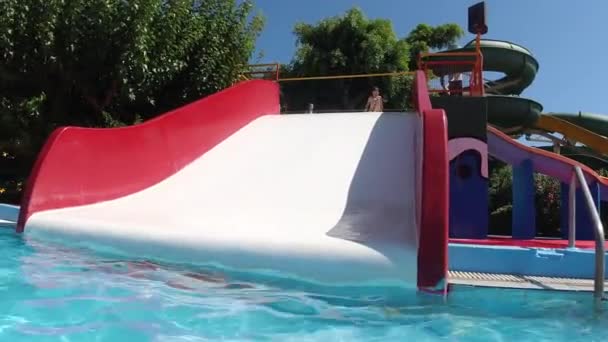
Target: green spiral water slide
516,115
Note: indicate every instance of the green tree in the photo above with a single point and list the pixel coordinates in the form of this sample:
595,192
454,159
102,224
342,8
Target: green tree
110,62
547,201
500,198
424,38
354,44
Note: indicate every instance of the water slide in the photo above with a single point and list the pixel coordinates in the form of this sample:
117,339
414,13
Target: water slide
514,114
553,123
508,115
336,198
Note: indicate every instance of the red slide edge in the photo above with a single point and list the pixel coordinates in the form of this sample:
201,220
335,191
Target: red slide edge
79,166
434,225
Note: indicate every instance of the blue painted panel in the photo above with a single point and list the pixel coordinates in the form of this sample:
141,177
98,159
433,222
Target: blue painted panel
563,210
567,263
524,210
584,224
9,212
469,214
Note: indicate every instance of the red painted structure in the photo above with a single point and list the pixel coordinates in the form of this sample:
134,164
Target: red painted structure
433,243
79,166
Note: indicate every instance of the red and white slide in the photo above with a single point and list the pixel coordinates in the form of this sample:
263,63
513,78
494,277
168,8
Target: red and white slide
333,198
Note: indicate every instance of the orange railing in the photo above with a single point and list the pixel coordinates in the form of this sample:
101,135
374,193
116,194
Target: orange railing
449,64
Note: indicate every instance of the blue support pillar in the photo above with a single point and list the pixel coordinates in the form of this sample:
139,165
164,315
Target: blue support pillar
524,210
584,224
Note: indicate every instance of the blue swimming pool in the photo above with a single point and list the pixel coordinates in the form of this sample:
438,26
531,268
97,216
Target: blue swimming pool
54,293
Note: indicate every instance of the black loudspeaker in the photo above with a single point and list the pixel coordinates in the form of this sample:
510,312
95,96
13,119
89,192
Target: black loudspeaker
477,18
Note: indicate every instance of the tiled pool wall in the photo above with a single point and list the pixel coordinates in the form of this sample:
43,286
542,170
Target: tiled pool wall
564,263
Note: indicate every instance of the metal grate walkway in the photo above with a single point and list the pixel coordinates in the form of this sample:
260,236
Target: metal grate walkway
520,281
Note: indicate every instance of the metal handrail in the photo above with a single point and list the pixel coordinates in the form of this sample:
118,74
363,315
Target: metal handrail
600,249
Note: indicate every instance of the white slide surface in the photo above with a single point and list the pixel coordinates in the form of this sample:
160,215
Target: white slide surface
332,197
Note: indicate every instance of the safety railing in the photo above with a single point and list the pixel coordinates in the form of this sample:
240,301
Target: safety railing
350,76
345,92
598,228
455,66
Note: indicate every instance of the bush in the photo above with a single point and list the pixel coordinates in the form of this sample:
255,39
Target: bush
547,200
501,199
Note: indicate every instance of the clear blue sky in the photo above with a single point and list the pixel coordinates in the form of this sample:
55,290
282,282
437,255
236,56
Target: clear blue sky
567,37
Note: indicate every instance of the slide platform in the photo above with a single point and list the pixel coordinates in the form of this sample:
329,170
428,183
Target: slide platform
519,67
335,198
514,61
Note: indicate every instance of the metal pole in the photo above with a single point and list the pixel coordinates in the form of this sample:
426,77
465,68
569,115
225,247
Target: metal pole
556,148
311,108
572,211
600,249
337,77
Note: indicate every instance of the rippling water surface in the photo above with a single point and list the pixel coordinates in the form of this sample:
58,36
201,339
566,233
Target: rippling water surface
54,293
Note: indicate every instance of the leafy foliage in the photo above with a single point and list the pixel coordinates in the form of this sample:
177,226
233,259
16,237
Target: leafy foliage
500,198
424,38
547,200
111,63
354,44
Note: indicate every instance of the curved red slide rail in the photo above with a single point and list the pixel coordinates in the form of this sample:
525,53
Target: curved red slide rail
79,166
433,241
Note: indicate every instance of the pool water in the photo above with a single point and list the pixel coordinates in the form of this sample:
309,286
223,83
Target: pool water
51,292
